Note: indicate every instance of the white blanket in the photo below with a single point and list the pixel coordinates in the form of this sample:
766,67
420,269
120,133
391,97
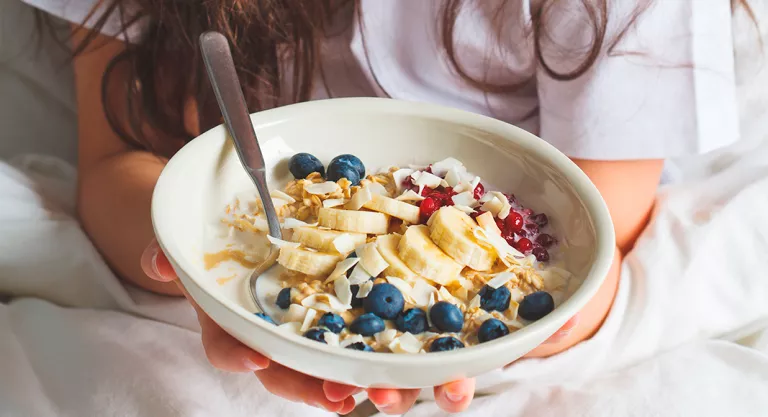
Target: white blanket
686,336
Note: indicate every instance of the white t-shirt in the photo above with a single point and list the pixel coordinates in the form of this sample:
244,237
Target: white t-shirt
667,90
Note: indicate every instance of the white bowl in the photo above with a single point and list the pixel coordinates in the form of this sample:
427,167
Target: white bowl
203,176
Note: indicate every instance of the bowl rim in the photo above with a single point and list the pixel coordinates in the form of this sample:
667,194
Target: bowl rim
590,197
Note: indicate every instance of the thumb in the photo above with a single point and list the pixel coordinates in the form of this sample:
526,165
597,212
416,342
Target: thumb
156,265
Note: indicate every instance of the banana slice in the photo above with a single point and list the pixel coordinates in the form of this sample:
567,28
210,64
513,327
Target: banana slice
425,258
323,239
387,246
451,230
394,208
307,262
354,221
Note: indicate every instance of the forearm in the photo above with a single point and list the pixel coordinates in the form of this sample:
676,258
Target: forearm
114,200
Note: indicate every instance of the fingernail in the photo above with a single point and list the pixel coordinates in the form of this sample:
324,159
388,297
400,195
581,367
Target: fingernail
454,397
149,263
253,366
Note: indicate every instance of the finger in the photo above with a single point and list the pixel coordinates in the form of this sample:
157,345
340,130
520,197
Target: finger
393,401
349,405
224,351
295,386
564,331
155,264
456,396
338,392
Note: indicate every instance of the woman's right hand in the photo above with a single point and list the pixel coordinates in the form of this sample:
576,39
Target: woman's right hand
228,354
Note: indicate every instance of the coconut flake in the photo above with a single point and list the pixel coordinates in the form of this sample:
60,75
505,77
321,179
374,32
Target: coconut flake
364,289
295,313
461,293
409,195
405,343
505,206
341,268
279,202
291,223
446,295
517,295
422,293
427,180
280,243
260,223
400,175
326,303
501,279
351,340
404,287
385,337
281,195
358,200
377,188
308,319
334,202
343,291
464,199
331,338
371,259
359,275
432,301
486,197
444,183
488,223
493,206
465,209
511,312
503,249
344,243
293,327
322,188
453,177
442,167
474,303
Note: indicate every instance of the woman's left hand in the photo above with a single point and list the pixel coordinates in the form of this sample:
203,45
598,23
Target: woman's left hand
452,397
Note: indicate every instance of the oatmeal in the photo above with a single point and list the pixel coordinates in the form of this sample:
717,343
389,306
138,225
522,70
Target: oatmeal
406,260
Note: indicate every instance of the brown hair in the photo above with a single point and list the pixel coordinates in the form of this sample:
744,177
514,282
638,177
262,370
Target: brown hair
165,69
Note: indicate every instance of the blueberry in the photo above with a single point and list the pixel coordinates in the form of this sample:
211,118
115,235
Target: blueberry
367,325
385,301
494,298
318,335
303,164
265,318
360,346
413,321
446,317
445,343
346,166
491,329
536,305
332,322
284,298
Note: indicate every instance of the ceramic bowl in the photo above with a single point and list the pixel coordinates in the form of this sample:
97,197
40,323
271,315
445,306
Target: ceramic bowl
203,177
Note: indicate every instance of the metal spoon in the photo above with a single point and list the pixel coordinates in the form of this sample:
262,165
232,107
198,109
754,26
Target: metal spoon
221,72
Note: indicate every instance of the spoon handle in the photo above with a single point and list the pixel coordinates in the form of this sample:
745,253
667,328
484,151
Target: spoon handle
221,71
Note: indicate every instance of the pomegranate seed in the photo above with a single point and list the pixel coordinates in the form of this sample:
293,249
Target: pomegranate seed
514,221
523,245
429,168
541,254
540,219
427,208
511,198
449,191
527,212
532,228
478,191
499,223
509,237
545,240
476,214
522,233
427,191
